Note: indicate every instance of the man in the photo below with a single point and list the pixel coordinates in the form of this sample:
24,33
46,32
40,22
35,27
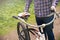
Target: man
42,9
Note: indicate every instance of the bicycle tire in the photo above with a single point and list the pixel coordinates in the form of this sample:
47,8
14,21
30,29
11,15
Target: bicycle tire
22,32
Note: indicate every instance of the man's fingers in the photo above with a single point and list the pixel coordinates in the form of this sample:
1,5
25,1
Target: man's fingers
53,8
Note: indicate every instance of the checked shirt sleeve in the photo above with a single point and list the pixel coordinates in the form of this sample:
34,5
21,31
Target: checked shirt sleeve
28,2
55,2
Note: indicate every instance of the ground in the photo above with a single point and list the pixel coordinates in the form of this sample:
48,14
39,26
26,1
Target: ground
57,28
13,35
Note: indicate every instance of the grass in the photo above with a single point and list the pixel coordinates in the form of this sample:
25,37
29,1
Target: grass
7,10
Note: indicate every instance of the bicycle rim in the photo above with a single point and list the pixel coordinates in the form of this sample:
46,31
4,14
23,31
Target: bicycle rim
21,32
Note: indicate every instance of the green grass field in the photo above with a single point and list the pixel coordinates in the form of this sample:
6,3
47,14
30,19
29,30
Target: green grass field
7,10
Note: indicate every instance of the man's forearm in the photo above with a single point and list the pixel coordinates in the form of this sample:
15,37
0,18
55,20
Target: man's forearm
55,2
28,2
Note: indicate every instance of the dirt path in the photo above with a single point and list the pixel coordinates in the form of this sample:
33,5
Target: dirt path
13,35
57,28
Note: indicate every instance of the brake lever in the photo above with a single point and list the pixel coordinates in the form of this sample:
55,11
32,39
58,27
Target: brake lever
57,13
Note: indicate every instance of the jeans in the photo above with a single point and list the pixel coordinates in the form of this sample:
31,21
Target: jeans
48,30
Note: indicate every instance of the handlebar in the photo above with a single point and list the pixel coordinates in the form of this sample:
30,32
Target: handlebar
35,26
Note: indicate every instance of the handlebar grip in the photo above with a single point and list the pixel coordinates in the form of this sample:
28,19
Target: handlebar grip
15,17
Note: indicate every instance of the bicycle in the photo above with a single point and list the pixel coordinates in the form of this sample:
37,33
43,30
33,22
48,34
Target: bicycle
24,32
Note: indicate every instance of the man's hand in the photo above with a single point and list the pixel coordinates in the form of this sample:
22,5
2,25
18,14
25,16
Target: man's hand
53,8
24,14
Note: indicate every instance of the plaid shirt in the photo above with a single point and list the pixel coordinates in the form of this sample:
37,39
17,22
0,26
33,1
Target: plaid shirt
42,7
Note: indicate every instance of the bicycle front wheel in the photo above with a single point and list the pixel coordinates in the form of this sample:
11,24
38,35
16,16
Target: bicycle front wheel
22,32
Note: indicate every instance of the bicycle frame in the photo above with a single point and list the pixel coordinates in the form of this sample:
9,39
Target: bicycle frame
42,36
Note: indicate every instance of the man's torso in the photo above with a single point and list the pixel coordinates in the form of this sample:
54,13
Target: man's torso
42,7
